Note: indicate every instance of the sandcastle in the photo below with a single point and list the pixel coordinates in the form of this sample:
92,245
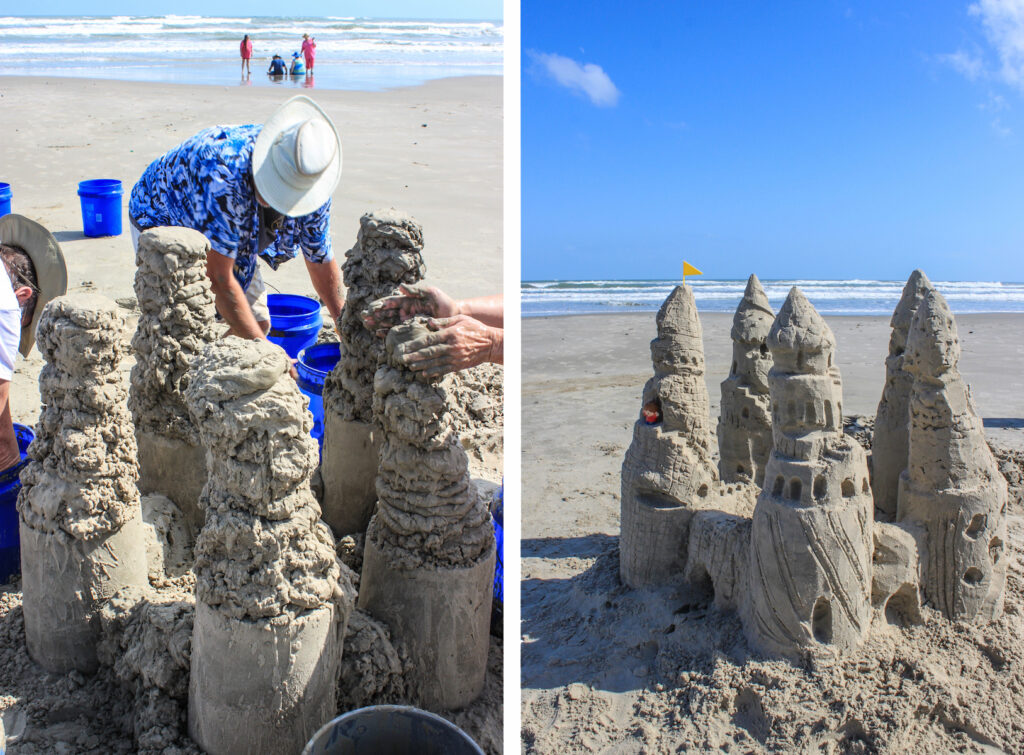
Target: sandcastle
951,493
890,442
811,538
430,552
271,603
745,424
669,468
80,526
387,253
810,567
175,324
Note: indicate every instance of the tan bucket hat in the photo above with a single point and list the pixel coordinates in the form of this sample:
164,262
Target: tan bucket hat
48,260
296,160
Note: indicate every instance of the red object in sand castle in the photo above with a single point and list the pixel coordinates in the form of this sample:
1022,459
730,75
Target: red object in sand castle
652,413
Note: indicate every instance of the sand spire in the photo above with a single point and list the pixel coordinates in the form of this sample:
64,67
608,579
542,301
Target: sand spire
811,534
388,252
669,468
81,533
176,322
892,421
428,566
745,424
951,489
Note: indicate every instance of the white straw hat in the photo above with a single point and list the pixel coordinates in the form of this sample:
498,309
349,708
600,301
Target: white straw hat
296,160
47,259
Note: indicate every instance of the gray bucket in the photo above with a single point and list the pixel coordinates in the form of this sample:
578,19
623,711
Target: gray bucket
391,730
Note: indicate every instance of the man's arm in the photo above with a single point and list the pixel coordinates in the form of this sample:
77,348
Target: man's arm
9,454
490,310
326,280
230,298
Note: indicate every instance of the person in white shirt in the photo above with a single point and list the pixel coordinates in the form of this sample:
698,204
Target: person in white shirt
35,274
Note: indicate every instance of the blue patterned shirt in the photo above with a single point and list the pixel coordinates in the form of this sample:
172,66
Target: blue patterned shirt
206,184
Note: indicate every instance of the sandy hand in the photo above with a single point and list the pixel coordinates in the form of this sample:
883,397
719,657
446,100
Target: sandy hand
454,343
415,299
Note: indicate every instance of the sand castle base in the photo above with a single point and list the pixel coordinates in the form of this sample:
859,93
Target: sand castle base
652,540
63,582
175,469
349,471
441,616
279,696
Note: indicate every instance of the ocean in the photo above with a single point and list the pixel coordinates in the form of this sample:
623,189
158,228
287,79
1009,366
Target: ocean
352,53
851,297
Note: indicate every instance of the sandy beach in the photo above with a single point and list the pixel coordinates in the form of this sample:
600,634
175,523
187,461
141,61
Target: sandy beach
433,151
608,669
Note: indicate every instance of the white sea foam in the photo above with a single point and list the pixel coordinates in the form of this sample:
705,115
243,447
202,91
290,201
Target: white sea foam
849,297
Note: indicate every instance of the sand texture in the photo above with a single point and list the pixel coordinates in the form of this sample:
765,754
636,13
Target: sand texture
388,252
610,669
263,550
175,324
434,151
429,512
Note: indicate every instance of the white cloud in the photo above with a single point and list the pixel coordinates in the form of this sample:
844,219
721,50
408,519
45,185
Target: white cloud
969,65
1004,26
588,79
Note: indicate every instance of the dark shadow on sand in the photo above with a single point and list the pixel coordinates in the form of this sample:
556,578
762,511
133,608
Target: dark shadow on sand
63,236
592,629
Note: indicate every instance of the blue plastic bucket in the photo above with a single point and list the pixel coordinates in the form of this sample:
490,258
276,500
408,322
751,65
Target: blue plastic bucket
391,729
5,199
294,322
315,362
101,206
10,484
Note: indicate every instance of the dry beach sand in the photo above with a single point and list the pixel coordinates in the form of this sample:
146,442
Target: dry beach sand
433,151
609,669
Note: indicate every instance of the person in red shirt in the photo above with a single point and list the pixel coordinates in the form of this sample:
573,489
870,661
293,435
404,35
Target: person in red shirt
246,49
309,52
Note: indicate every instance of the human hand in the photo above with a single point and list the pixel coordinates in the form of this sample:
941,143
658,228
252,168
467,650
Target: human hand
453,343
415,299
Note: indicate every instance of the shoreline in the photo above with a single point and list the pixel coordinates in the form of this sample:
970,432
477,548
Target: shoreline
6,79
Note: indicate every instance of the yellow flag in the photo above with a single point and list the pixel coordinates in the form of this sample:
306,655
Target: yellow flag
689,269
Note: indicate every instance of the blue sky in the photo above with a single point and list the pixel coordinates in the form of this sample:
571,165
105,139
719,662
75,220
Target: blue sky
814,139
437,9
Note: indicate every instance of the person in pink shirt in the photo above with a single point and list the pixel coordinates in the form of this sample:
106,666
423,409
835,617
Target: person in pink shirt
246,49
309,52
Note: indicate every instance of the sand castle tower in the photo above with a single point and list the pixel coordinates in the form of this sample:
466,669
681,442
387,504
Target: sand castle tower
745,423
387,253
428,567
81,531
951,490
669,468
811,533
892,421
271,601
175,325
